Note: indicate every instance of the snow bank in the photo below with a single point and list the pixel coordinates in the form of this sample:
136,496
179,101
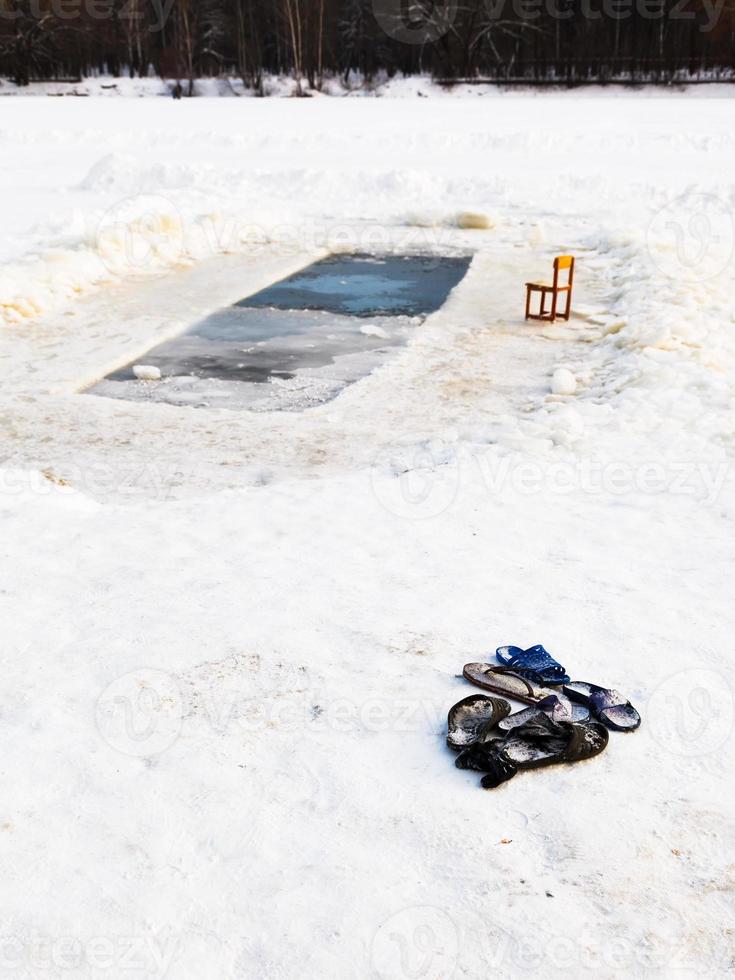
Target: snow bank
355,86
664,353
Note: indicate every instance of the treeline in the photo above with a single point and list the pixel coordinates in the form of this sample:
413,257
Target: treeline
536,40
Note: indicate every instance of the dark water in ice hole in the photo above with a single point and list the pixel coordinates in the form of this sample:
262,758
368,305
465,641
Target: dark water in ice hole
366,286
347,307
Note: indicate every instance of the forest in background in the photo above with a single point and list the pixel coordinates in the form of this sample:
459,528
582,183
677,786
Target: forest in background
499,40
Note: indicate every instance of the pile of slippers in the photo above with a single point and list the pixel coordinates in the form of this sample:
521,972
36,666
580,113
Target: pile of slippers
566,721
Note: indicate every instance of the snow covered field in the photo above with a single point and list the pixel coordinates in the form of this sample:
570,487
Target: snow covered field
231,639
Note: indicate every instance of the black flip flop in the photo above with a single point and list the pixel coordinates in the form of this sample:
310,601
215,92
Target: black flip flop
535,743
472,718
609,706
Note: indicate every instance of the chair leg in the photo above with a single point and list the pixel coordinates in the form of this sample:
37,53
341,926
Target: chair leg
553,306
528,302
568,311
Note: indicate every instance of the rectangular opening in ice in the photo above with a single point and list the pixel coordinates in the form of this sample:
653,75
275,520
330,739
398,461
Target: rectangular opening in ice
298,342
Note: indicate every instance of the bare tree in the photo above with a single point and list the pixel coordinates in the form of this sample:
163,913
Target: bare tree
292,14
31,45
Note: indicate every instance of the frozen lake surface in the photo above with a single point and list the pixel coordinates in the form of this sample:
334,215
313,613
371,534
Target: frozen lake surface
222,626
300,341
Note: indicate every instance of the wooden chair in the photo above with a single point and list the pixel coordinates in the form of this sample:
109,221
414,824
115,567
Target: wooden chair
561,262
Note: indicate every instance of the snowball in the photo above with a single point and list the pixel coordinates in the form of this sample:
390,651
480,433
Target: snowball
471,219
370,330
538,235
147,372
563,382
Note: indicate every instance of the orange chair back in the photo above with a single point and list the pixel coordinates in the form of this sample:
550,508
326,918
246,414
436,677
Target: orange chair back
562,262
